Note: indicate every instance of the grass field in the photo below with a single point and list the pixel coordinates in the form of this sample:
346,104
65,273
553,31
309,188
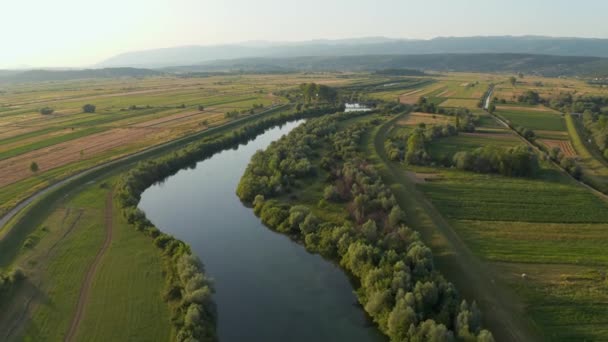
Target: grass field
131,115
595,168
126,296
548,228
534,120
447,147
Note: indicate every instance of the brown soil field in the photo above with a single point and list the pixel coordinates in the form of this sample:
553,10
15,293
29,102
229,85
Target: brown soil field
18,168
414,119
564,145
22,142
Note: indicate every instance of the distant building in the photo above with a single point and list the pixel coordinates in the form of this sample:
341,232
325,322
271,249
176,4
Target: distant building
355,107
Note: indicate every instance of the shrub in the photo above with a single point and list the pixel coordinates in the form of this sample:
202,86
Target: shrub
89,108
46,110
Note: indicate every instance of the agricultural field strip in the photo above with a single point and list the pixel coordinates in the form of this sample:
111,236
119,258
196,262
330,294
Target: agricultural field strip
466,270
116,161
591,243
74,135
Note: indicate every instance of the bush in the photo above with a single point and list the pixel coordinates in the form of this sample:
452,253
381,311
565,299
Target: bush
89,108
46,110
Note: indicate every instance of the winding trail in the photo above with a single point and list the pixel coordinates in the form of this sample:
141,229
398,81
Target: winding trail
88,280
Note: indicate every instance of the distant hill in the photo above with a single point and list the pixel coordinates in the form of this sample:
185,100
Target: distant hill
12,76
192,55
545,65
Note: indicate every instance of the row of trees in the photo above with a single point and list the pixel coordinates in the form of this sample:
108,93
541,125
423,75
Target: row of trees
398,284
188,289
519,161
597,125
412,148
312,92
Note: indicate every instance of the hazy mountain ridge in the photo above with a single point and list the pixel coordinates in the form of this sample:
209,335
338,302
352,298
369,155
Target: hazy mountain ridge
192,55
545,65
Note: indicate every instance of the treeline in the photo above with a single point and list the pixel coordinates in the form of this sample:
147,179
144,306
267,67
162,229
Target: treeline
519,161
594,111
597,125
398,285
188,291
412,147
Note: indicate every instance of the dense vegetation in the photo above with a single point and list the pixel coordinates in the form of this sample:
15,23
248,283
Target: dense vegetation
188,291
597,125
519,161
397,283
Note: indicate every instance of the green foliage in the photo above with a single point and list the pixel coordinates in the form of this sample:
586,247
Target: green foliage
529,97
34,167
89,108
519,161
188,289
313,92
399,286
46,110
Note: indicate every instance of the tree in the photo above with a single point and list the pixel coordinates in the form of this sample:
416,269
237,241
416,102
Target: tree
46,110
89,108
491,108
201,108
395,217
513,80
34,167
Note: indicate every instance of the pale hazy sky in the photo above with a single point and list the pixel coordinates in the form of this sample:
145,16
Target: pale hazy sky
84,32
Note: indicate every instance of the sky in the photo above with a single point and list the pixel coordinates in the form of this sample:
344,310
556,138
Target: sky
80,33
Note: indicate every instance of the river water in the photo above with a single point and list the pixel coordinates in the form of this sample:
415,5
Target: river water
268,288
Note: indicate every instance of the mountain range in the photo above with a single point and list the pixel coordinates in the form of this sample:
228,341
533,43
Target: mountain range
193,55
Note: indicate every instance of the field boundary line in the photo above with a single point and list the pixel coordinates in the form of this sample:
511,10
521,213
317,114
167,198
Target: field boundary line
4,220
477,276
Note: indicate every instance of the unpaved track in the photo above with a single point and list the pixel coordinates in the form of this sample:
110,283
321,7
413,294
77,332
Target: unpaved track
88,280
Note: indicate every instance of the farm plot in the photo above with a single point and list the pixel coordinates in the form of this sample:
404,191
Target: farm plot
547,228
534,120
18,168
414,119
457,103
443,148
564,145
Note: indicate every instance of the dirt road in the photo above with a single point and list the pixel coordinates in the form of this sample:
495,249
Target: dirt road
88,280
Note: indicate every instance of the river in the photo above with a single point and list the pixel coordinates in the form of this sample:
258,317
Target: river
268,288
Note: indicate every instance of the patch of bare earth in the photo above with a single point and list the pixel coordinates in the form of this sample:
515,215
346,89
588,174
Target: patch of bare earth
414,119
564,145
17,168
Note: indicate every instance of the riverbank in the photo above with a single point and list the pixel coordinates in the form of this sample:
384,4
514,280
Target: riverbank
47,220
